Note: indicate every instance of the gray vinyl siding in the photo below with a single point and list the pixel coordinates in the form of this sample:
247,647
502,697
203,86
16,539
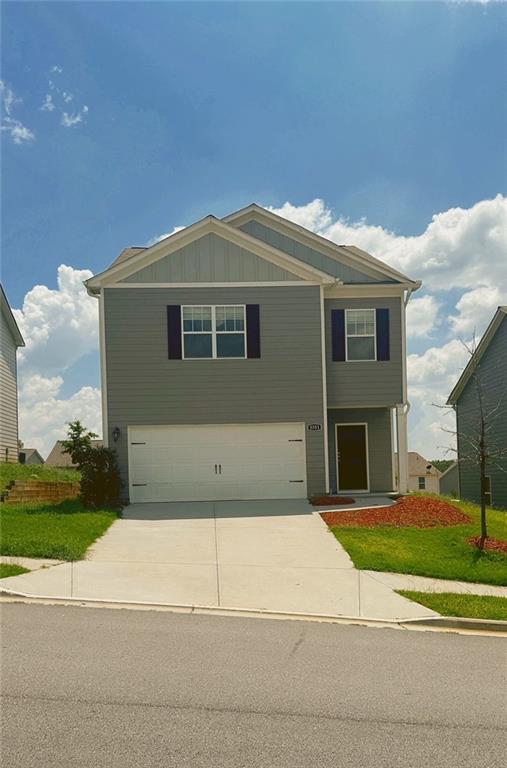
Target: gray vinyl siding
210,259
8,395
380,449
304,253
371,383
285,384
492,375
449,482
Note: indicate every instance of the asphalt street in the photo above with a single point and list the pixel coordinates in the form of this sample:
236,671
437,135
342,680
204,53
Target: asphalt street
105,687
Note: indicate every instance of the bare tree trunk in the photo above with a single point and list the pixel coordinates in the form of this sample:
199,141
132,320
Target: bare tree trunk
482,456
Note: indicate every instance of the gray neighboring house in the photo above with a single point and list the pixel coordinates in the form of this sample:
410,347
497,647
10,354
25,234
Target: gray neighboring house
30,456
57,458
490,364
10,340
449,481
247,357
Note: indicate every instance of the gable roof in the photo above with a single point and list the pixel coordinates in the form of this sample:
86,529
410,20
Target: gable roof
29,452
349,254
449,469
418,465
482,346
130,264
10,319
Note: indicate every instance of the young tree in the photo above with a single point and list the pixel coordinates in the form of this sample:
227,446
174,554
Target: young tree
476,435
78,442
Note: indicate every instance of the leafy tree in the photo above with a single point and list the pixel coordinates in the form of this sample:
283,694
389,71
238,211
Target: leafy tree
78,443
100,476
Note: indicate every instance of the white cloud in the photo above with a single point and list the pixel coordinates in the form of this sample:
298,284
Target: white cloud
59,325
422,315
163,237
476,309
57,69
18,132
68,120
44,414
460,248
67,97
48,104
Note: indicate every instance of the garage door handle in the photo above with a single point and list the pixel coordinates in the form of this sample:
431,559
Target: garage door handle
216,465
219,469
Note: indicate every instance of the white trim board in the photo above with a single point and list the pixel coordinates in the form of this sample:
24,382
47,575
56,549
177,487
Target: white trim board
367,449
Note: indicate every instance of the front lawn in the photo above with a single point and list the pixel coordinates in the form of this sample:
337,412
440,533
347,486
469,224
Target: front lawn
61,531
8,569
11,471
467,606
441,551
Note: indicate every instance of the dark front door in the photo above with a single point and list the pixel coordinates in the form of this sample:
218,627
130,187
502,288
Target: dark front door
352,458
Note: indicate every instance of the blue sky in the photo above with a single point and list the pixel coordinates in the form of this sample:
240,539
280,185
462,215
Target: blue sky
388,112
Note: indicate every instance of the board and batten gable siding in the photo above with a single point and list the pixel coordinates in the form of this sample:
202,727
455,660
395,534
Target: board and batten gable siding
145,388
210,259
380,449
304,253
492,372
8,395
370,383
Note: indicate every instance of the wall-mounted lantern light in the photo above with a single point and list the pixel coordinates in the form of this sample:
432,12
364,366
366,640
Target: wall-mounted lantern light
116,434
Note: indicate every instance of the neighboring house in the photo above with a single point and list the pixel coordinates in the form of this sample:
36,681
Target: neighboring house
484,378
10,340
422,475
247,357
30,456
449,481
57,458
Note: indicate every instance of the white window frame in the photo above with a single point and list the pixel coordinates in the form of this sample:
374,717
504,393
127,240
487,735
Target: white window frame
213,331
419,478
361,335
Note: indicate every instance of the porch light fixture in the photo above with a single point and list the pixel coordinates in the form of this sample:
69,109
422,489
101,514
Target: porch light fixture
116,434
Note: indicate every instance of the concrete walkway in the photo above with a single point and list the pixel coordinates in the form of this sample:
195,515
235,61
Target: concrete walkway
263,555
425,584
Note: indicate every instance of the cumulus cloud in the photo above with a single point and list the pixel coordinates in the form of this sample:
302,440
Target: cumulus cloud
475,309
13,127
460,248
44,413
48,104
59,325
422,315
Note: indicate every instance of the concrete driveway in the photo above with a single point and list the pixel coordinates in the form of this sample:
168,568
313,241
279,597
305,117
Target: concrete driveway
268,555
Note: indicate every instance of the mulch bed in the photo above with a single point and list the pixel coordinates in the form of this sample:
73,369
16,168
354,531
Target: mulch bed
416,511
494,545
330,501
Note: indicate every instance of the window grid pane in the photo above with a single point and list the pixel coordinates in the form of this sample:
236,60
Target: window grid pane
214,332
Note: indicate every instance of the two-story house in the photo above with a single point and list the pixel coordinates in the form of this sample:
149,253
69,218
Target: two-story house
247,357
481,392
10,340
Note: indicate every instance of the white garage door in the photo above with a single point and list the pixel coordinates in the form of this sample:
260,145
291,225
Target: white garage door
248,461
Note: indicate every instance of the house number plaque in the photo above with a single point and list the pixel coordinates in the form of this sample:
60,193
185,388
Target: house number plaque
314,427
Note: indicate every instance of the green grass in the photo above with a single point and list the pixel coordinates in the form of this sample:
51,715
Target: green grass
467,606
11,471
62,531
441,552
7,569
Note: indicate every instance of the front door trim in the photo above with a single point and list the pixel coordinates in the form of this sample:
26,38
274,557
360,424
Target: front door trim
353,424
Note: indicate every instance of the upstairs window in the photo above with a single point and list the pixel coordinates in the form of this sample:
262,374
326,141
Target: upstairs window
213,331
360,334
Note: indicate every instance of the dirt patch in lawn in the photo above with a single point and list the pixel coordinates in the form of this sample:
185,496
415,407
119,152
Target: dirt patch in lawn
493,545
416,511
331,501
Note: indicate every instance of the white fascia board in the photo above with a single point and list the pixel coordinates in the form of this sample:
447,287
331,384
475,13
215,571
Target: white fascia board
207,226
364,290
356,257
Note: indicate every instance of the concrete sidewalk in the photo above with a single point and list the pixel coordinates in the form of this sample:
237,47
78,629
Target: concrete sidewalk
425,584
261,555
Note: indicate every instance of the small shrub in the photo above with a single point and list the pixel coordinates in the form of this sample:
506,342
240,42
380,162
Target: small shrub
100,478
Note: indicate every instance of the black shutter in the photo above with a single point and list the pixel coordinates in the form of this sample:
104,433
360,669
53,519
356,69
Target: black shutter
174,332
253,331
382,334
338,334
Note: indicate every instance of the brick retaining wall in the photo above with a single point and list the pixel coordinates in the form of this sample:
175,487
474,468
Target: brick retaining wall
25,491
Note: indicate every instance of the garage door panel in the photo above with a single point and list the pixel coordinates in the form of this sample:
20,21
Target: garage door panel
252,461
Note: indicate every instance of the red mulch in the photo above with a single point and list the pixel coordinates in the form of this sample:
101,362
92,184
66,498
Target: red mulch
330,501
495,545
417,511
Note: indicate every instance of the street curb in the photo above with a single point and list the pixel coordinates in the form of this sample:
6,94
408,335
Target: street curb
436,623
